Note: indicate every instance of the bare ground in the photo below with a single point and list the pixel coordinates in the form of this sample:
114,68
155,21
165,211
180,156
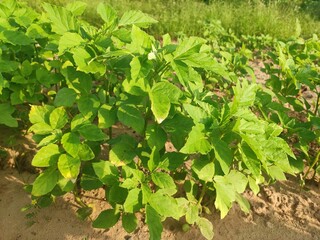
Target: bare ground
280,211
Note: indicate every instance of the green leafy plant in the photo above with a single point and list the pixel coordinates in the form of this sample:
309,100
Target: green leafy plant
86,81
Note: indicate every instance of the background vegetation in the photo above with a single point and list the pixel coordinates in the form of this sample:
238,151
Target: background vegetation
276,18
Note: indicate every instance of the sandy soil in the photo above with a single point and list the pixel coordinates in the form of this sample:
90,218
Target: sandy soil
280,211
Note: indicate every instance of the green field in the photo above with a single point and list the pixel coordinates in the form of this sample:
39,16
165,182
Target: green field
277,18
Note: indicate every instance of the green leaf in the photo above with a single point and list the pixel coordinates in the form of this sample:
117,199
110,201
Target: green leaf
172,160
91,132
106,219
116,194
223,154
46,156
58,118
65,97
162,95
15,37
68,166
163,180
41,129
8,66
154,159
135,68
85,152
77,7
250,160
238,180
106,172
197,141
129,222
137,18
62,19
123,150
71,143
141,42
107,116
225,195
165,205
45,182
243,203
89,104
107,13
5,118
156,136
277,173
206,228
188,46
153,221
133,202
69,40
192,213
130,116
204,168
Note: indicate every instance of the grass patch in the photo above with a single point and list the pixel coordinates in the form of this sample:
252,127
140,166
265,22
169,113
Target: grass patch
187,16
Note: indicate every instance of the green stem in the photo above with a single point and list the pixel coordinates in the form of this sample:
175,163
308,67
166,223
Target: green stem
310,167
203,192
317,104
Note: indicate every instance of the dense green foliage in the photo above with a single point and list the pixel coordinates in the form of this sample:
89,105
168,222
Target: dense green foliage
228,133
276,18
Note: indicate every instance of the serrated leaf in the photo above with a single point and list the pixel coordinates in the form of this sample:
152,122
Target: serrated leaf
77,7
106,219
133,202
206,228
130,116
62,20
135,68
129,222
15,37
137,18
107,13
68,166
6,115
225,195
250,160
197,141
58,118
153,220
69,40
46,156
163,180
223,154
45,182
204,168
65,97
277,173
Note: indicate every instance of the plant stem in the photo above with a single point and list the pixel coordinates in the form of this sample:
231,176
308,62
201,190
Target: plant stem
203,192
317,104
310,167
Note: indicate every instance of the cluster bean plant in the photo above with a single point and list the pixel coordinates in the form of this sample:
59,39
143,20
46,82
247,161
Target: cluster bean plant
80,83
